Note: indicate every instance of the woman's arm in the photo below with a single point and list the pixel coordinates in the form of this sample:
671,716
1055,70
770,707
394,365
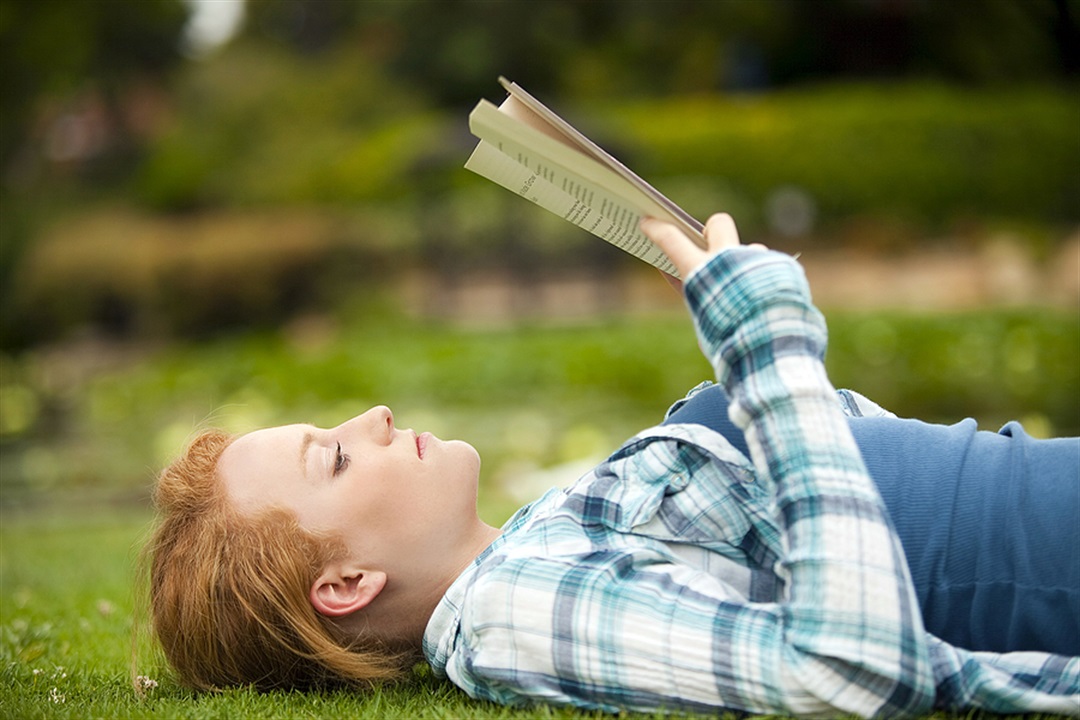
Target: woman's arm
851,635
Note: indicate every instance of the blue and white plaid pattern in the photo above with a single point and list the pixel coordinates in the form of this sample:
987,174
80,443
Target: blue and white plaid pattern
677,575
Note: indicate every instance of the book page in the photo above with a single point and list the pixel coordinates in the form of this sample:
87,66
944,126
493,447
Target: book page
605,195
534,113
578,205
521,112
526,143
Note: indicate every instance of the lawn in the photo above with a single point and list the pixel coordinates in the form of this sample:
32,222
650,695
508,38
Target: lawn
65,649
66,645
72,511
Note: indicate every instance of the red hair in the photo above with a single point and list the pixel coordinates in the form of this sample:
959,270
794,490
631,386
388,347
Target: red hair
229,593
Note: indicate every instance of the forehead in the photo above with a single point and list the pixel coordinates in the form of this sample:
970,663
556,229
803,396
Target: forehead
264,467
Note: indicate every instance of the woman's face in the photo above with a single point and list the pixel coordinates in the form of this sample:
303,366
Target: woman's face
392,496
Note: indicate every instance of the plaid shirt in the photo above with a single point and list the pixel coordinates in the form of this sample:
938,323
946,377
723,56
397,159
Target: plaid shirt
677,575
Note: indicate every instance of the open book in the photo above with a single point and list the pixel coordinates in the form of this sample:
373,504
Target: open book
530,150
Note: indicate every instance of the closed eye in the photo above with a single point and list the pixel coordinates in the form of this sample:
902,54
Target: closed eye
341,461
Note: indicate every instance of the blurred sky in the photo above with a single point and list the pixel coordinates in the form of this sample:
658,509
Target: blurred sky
212,23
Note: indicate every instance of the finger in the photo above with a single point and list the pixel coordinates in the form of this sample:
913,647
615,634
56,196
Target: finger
721,233
680,249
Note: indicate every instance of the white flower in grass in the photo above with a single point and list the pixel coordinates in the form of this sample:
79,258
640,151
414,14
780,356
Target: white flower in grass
145,683
56,696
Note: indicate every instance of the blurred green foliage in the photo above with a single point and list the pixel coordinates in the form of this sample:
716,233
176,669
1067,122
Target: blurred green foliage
265,127
372,192
124,155
49,50
157,202
924,153
527,396
619,48
993,366
56,57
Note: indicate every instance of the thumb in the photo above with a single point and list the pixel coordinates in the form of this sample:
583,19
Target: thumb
721,233
680,249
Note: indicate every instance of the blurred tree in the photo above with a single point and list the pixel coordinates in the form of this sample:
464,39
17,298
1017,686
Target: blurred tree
361,103
982,42
65,66
631,47
56,48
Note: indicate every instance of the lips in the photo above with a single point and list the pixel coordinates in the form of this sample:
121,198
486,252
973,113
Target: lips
421,444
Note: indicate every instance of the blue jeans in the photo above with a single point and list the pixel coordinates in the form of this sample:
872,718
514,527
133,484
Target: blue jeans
989,522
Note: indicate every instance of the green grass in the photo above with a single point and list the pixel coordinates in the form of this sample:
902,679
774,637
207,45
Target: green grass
66,603
65,641
527,396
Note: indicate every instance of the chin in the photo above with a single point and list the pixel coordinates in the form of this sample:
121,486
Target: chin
467,451
465,461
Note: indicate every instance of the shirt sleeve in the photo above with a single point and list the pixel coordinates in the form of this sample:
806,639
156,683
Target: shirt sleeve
857,405
848,635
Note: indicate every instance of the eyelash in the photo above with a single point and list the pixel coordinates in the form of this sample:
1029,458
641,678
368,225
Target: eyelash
341,461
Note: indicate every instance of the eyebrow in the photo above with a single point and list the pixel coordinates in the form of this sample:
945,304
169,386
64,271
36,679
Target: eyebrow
305,444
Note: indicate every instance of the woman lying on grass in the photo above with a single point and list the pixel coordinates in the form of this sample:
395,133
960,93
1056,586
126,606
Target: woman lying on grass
749,564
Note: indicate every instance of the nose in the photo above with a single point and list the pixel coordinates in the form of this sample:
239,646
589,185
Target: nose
377,422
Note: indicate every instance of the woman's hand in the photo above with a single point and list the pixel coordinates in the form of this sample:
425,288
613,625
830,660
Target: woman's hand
720,234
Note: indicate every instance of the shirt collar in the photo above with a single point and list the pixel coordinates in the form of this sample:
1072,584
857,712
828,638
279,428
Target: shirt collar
441,634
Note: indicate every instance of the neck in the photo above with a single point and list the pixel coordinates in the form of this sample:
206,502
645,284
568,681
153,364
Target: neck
400,614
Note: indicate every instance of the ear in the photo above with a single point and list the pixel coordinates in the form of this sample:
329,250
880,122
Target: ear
342,590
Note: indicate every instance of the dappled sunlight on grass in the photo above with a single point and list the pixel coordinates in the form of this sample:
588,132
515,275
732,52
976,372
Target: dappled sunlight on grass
531,398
